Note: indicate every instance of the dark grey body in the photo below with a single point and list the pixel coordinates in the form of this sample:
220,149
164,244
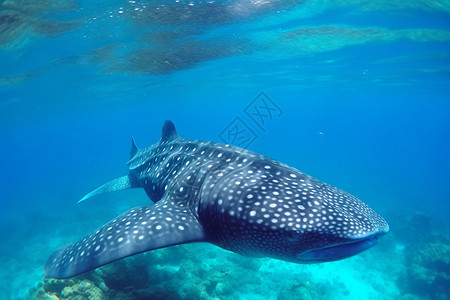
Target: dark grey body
228,196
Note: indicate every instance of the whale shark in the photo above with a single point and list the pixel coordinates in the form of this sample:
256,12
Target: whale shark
231,197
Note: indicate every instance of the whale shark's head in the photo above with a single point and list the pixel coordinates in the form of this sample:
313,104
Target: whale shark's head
335,227
269,209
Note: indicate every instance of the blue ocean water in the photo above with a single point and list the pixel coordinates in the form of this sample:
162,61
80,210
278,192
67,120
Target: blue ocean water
362,90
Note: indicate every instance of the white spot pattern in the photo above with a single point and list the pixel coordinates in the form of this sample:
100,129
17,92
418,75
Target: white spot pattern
273,207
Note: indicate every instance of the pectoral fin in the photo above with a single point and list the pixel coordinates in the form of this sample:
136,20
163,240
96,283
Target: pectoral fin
138,230
118,184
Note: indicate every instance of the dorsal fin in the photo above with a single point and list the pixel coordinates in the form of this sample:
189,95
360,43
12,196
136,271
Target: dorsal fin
168,132
134,148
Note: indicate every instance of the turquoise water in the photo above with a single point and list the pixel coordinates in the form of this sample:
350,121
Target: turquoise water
362,94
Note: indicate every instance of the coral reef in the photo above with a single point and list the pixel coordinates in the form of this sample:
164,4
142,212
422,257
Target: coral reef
423,264
172,273
78,289
412,262
428,269
181,273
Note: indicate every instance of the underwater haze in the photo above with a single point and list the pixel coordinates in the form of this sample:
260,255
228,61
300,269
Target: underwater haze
352,92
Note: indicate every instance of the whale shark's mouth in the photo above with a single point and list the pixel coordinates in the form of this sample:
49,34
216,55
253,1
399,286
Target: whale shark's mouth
340,251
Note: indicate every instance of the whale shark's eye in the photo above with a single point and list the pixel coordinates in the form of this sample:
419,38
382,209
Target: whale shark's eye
292,236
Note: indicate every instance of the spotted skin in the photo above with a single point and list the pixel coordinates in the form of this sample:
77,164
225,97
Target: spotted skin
231,197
